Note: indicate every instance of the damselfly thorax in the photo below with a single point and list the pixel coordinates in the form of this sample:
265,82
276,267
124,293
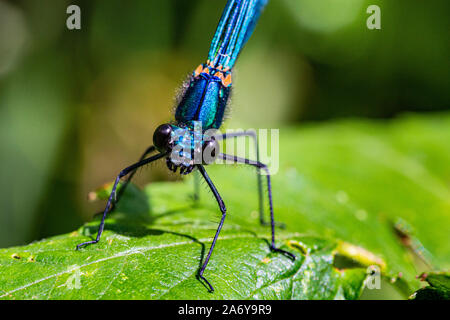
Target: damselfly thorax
200,110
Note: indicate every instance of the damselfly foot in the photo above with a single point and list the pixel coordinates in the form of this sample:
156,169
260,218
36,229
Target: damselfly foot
283,252
211,288
81,245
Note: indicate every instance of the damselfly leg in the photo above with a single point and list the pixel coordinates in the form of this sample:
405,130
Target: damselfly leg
124,185
111,198
223,209
252,134
261,166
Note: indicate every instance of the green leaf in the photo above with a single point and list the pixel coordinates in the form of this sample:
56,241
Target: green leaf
352,194
438,289
157,257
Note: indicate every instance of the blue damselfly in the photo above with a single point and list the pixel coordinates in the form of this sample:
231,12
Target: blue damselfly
203,104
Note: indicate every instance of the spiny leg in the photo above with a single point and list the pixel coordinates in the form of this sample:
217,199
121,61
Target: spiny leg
223,210
252,134
130,176
272,220
122,173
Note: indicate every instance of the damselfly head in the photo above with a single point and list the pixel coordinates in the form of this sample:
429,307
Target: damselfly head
186,146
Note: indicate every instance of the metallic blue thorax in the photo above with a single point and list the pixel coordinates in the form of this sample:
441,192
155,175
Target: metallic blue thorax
209,88
204,100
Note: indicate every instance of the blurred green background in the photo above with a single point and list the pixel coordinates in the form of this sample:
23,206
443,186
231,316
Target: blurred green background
76,106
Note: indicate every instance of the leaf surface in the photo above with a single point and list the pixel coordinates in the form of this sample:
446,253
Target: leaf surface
352,194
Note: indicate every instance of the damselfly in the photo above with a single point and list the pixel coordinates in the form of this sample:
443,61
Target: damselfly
203,103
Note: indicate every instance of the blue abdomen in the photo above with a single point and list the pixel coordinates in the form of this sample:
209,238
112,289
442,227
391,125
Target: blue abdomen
205,100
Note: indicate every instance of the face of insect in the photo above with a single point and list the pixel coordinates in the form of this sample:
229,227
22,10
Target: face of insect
185,147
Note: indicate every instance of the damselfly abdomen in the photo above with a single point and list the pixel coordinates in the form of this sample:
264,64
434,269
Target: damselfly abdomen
203,105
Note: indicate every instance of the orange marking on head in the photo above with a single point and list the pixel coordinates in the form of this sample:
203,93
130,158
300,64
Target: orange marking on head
206,70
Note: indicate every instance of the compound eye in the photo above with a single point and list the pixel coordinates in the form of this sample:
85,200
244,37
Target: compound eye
162,137
210,151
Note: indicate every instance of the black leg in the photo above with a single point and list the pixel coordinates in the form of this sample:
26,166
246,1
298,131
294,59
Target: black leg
272,220
122,173
223,210
252,134
130,176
